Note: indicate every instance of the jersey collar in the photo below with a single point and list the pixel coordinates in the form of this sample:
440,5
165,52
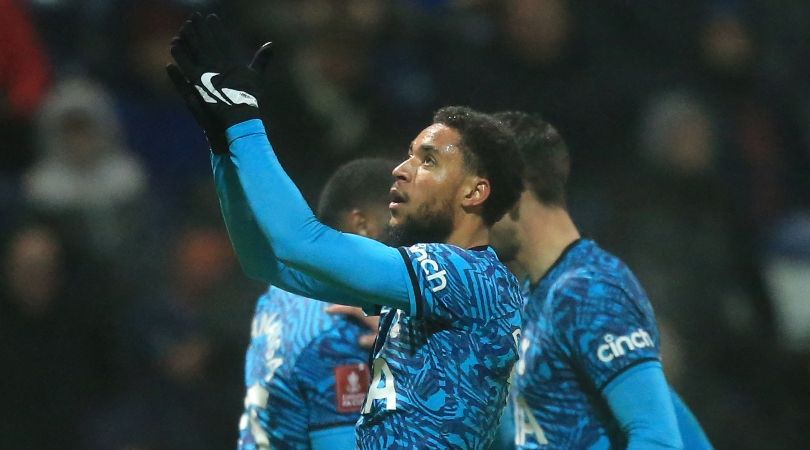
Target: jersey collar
560,259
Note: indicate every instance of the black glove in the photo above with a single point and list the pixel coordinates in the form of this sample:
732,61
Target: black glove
211,125
194,102
228,90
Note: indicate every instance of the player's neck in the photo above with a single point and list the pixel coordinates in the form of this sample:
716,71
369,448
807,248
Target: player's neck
547,232
469,232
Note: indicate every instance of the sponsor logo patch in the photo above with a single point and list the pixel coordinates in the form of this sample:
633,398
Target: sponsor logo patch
616,347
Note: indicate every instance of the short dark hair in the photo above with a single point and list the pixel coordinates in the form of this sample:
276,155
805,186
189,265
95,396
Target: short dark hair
489,151
357,184
547,163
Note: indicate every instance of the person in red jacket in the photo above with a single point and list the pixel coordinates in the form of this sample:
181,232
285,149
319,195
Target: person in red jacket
24,80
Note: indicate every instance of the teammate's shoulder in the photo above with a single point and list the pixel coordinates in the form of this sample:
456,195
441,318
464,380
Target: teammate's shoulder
274,293
339,340
303,315
275,298
593,288
595,267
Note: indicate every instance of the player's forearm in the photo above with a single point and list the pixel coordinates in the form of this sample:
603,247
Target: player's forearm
251,247
367,268
640,401
692,434
299,283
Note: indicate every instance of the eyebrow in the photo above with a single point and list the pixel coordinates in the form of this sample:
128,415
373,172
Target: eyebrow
427,148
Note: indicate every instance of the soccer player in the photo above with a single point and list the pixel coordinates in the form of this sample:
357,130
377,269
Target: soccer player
306,374
590,374
450,312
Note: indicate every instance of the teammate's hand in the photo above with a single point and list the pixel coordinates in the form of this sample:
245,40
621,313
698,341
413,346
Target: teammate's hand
371,322
228,90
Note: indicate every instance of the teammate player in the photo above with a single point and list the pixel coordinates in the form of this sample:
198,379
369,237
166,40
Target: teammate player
590,374
306,374
449,310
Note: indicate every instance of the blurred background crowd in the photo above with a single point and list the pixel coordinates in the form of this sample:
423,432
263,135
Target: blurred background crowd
123,313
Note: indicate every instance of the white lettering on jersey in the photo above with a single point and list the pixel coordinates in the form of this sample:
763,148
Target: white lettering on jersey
395,327
255,399
267,327
526,425
387,392
616,347
525,343
430,267
516,337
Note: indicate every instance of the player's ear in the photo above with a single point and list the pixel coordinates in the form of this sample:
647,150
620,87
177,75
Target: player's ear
476,192
357,223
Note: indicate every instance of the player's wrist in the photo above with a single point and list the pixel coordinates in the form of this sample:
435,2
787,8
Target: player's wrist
248,127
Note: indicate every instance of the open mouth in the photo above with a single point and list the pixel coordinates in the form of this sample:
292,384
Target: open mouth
397,198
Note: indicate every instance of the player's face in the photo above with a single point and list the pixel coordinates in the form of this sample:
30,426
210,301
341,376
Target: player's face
427,187
376,224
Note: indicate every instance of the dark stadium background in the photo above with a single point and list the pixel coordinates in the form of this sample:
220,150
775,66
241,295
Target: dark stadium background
124,316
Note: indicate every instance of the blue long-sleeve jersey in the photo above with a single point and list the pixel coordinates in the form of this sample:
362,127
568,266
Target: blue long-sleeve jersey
590,374
305,376
450,317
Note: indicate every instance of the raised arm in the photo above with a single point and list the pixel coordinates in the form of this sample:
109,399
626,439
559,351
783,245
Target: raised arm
222,94
252,248
254,253
369,269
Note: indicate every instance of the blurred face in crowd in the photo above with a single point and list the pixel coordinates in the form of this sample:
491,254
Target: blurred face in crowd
81,140
537,30
680,136
34,269
202,259
727,45
429,187
691,145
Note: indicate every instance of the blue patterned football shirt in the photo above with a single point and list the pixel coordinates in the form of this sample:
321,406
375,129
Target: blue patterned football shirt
304,372
440,373
586,322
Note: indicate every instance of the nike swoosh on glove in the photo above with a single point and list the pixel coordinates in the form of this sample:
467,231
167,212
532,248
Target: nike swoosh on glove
227,89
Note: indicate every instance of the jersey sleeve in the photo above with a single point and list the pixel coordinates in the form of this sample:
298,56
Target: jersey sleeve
252,249
274,412
692,434
274,415
450,283
641,403
370,270
256,256
602,329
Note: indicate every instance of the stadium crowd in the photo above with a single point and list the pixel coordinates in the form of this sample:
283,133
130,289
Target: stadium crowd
124,316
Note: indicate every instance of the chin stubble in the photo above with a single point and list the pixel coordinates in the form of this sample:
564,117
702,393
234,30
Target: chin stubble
426,227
